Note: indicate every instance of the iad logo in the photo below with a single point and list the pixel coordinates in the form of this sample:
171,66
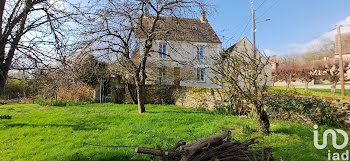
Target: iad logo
334,155
334,138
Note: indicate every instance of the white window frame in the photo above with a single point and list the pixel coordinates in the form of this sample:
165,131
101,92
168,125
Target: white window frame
162,74
163,49
201,72
200,52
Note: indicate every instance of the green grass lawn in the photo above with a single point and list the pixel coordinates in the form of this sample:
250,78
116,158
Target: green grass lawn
315,92
60,133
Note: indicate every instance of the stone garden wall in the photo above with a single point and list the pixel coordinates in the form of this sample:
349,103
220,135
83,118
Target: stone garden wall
196,97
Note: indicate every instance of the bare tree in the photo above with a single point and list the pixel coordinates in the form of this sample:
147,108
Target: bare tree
286,73
306,74
111,28
31,35
330,68
247,74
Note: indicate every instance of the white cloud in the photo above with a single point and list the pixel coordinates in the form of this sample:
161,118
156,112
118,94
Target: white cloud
58,4
298,48
270,52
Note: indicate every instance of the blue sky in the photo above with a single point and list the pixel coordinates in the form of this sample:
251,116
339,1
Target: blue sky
294,25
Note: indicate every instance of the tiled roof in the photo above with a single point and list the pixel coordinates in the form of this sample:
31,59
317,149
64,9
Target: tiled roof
180,29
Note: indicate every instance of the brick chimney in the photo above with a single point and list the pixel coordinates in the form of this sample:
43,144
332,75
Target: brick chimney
203,17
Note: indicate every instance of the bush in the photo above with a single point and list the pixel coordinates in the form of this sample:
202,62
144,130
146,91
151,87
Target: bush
285,105
77,92
50,102
224,110
15,88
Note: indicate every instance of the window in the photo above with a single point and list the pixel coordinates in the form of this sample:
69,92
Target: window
200,53
162,50
201,74
161,26
162,74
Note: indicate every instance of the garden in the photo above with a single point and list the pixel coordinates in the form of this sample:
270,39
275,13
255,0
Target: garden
112,131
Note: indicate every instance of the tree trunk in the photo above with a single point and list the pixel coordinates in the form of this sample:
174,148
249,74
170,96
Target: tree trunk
3,77
264,122
131,93
288,83
306,86
141,98
333,87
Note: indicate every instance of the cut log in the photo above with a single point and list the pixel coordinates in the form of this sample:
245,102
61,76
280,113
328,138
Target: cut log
218,148
189,151
178,144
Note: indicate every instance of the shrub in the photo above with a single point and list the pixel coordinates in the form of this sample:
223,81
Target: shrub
16,88
76,92
50,102
43,102
285,105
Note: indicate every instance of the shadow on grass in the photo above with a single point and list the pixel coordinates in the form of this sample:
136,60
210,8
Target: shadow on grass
108,157
74,127
177,112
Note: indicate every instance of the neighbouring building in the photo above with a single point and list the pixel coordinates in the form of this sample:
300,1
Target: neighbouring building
244,45
344,45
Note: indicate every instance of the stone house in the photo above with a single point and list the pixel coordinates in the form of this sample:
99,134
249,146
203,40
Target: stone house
181,57
244,45
182,52
210,98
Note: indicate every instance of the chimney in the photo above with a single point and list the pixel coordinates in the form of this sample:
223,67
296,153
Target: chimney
147,12
203,17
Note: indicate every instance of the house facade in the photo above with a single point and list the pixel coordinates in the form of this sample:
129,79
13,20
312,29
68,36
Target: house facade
181,54
245,46
342,45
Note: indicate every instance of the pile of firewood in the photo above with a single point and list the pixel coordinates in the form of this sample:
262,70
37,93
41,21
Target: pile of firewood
216,148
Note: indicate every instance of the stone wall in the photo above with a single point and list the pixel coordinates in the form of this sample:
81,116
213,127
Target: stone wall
197,97
155,94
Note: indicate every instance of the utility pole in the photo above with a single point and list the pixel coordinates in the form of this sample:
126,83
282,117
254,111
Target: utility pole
341,65
254,28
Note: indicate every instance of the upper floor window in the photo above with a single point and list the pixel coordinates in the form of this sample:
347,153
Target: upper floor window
193,27
162,50
201,75
200,52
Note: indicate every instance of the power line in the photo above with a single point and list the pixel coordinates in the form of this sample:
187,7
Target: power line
261,5
269,9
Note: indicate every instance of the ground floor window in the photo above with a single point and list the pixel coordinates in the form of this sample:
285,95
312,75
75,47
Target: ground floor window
162,74
201,75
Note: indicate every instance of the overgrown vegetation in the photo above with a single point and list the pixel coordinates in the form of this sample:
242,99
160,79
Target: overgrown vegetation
311,92
61,133
244,73
17,88
285,104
